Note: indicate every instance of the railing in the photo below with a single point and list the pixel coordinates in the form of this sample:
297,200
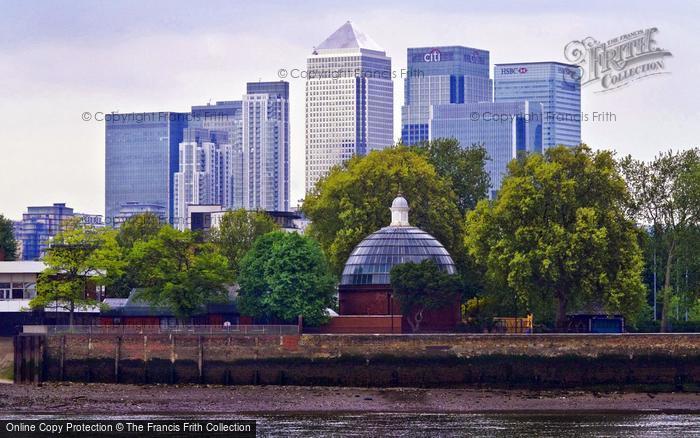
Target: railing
251,330
513,325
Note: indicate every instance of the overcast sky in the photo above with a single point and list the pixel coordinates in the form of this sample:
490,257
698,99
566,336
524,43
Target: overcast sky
60,59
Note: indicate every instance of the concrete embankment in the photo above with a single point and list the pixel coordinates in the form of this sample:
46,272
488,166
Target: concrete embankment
665,361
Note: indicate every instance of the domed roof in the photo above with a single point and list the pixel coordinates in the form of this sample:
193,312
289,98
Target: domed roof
399,202
372,259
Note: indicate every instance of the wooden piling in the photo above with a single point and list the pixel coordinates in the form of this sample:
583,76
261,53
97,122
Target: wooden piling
117,357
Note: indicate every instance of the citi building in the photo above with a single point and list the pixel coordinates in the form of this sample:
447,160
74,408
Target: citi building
437,76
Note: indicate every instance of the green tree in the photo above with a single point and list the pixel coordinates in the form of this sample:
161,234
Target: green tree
283,276
353,201
76,256
237,231
179,273
665,196
558,237
422,286
138,228
464,167
8,245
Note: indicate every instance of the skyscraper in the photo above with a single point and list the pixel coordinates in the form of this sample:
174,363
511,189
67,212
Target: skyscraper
201,171
557,86
349,101
503,129
441,75
141,155
226,116
266,146
235,154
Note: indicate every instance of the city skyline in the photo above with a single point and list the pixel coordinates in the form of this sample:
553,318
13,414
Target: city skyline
131,77
445,75
349,101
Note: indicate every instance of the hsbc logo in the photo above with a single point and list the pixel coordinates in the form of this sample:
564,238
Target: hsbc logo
514,70
432,56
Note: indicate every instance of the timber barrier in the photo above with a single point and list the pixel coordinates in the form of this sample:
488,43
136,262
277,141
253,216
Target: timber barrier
661,361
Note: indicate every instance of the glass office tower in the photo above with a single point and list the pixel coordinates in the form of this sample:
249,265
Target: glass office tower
556,85
141,156
441,75
349,101
503,129
266,146
38,225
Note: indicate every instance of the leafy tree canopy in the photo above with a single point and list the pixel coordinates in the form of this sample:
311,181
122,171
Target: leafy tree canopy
353,201
77,255
465,167
177,272
665,195
140,227
557,235
8,244
283,276
422,286
237,231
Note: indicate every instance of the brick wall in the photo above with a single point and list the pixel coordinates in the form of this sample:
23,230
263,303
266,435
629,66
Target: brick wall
558,360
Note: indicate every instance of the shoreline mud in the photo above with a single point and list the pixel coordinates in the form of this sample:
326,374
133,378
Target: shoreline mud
112,399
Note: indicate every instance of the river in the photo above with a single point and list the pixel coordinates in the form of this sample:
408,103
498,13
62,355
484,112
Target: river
657,425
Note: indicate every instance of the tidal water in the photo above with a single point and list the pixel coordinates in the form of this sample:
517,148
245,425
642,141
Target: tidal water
481,425
447,425
494,425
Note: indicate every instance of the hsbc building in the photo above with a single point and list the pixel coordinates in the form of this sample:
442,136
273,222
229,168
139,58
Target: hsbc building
557,86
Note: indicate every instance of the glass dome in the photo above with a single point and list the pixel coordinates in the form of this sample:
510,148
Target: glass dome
372,259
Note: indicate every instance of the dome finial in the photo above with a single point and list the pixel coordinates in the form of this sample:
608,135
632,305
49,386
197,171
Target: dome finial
399,212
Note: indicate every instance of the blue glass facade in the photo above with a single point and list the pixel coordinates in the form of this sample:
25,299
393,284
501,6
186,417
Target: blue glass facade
503,129
141,156
38,225
441,75
557,86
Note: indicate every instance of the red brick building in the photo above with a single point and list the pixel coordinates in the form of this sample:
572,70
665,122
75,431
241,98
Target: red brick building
365,286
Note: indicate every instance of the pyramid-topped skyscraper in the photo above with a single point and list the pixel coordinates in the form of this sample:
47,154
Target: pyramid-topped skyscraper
349,101
348,37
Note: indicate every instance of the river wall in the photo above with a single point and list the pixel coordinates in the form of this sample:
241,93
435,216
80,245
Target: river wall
667,361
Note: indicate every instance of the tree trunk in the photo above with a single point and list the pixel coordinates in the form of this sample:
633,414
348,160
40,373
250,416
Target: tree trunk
562,302
415,321
666,292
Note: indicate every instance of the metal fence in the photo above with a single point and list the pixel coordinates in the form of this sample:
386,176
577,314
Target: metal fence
252,330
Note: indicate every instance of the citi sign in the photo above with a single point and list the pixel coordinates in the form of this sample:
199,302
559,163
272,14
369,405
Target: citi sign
432,56
513,70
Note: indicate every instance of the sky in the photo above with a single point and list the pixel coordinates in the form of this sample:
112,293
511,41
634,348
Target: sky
59,60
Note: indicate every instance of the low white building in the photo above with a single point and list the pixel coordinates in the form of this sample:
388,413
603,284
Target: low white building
18,281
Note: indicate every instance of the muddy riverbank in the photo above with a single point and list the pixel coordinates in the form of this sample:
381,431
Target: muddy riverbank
78,398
